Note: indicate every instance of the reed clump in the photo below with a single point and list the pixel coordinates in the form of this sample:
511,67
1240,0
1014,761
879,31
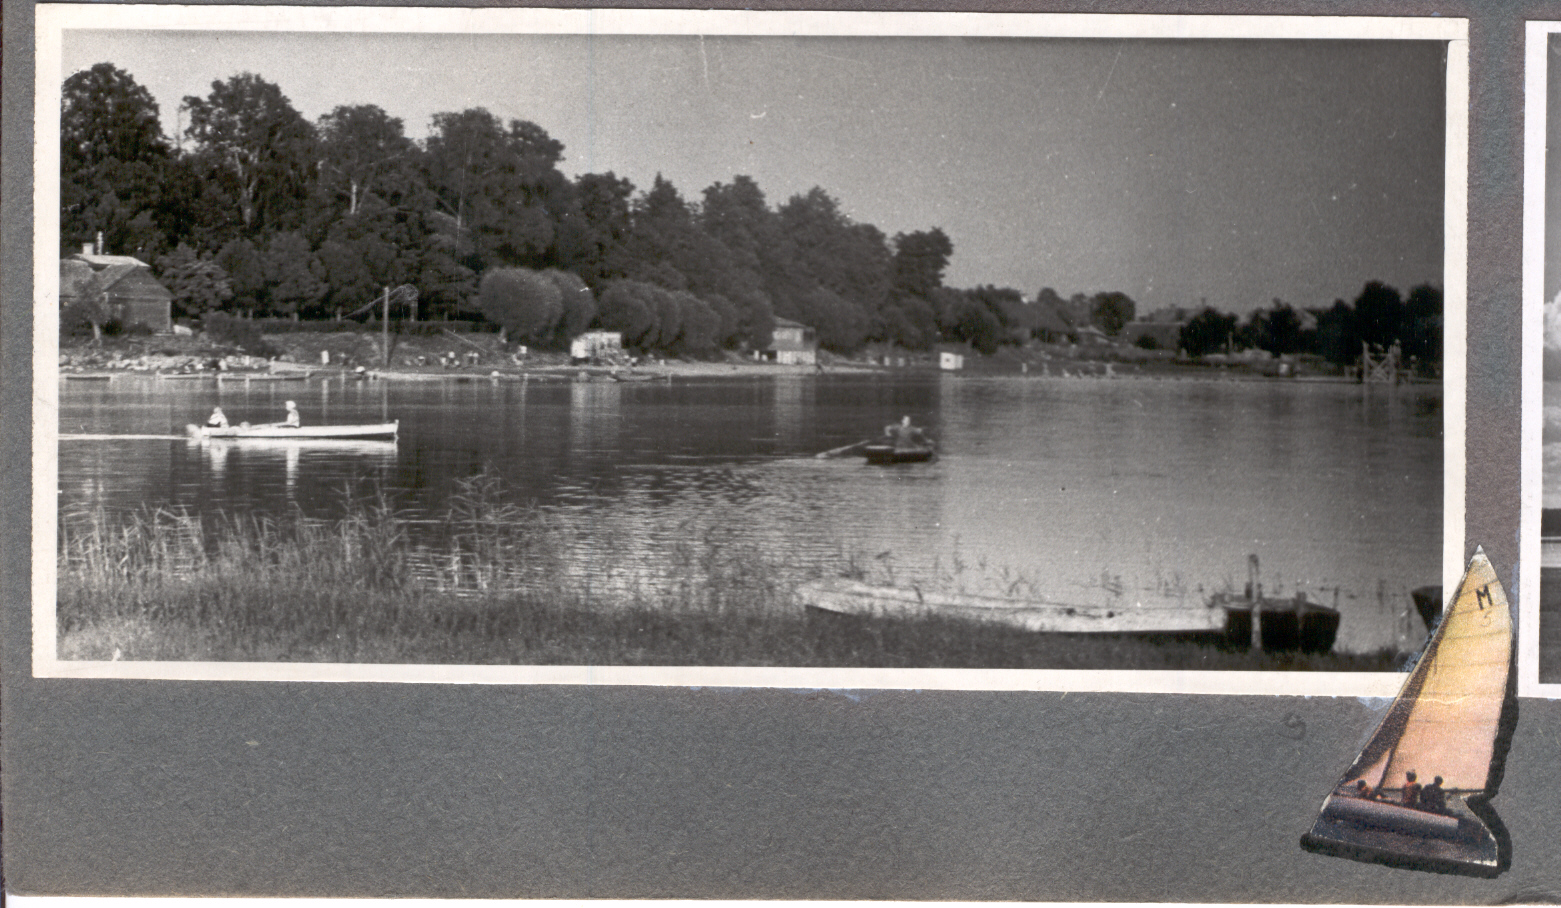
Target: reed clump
492,582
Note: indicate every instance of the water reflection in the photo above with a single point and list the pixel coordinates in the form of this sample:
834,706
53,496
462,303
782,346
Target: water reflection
1091,489
594,419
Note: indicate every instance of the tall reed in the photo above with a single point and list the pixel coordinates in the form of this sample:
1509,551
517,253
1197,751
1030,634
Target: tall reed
490,581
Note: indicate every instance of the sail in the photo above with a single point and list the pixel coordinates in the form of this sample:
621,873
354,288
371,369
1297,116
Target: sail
1451,727
1444,721
1443,728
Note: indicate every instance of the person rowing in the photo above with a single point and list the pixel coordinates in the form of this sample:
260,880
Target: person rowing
906,436
217,419
291,420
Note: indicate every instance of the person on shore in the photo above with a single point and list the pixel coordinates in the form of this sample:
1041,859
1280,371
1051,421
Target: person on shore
1411,790
217,419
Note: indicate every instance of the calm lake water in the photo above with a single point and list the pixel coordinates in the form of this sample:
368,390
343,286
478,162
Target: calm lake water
1092,490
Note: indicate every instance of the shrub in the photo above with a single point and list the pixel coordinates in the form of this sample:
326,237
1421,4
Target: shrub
77,319
244,334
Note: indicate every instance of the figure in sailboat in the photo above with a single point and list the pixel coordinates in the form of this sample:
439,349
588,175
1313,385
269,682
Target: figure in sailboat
1445,723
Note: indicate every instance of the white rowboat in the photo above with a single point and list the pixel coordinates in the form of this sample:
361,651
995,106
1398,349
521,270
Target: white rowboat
376,430
848,597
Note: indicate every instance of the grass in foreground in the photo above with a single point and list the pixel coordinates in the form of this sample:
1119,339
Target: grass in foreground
500,589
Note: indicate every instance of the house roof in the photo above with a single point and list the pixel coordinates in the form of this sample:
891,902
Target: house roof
107,261
116,275
788,323
76,279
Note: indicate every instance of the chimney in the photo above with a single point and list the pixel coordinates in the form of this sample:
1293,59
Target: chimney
86,248
100,242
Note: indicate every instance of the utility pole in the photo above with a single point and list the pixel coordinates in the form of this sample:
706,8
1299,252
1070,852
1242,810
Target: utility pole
384,328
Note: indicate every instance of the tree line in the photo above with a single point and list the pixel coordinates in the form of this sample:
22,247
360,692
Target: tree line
253,210
1379,317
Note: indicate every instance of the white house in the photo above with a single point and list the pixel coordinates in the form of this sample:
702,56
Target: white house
792,344
596,345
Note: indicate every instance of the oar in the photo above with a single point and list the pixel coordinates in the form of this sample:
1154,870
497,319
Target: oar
842,451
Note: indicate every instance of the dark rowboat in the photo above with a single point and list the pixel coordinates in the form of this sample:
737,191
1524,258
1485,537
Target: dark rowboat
1280,625
888,454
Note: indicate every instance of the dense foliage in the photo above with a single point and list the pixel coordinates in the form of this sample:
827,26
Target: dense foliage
255,211
1378,318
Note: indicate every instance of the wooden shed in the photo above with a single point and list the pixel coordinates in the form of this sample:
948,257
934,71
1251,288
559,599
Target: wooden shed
123,285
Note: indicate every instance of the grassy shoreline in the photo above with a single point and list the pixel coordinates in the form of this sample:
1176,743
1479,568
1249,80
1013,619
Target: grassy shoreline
499,588
419,355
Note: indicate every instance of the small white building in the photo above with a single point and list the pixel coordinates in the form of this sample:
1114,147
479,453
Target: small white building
951,357
792,344
596,345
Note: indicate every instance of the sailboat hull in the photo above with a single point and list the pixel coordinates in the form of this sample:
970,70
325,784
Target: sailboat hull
1382,833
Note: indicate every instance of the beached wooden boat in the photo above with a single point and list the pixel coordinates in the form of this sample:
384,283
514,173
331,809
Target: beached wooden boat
455,377
185,376
87,376
1272,625
888,454
1417,796
247,377
376,430
1279,625
849,597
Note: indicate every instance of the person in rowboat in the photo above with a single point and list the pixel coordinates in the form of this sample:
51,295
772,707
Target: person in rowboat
906,436
217,419
291,421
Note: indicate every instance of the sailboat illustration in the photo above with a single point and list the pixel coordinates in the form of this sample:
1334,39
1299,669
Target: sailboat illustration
1417,794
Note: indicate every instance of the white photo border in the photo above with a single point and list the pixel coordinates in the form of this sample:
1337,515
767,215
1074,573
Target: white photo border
54,19
1536,62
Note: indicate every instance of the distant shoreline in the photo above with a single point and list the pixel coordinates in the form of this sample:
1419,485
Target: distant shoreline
351,356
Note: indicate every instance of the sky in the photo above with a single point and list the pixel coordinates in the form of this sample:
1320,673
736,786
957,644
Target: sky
1227,171
1553,172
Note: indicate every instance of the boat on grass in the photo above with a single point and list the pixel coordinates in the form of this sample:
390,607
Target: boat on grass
1238,622
373,430
850,597
1417,796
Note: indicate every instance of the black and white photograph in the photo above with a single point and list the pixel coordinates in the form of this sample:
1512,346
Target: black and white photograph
1541,518
542,346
